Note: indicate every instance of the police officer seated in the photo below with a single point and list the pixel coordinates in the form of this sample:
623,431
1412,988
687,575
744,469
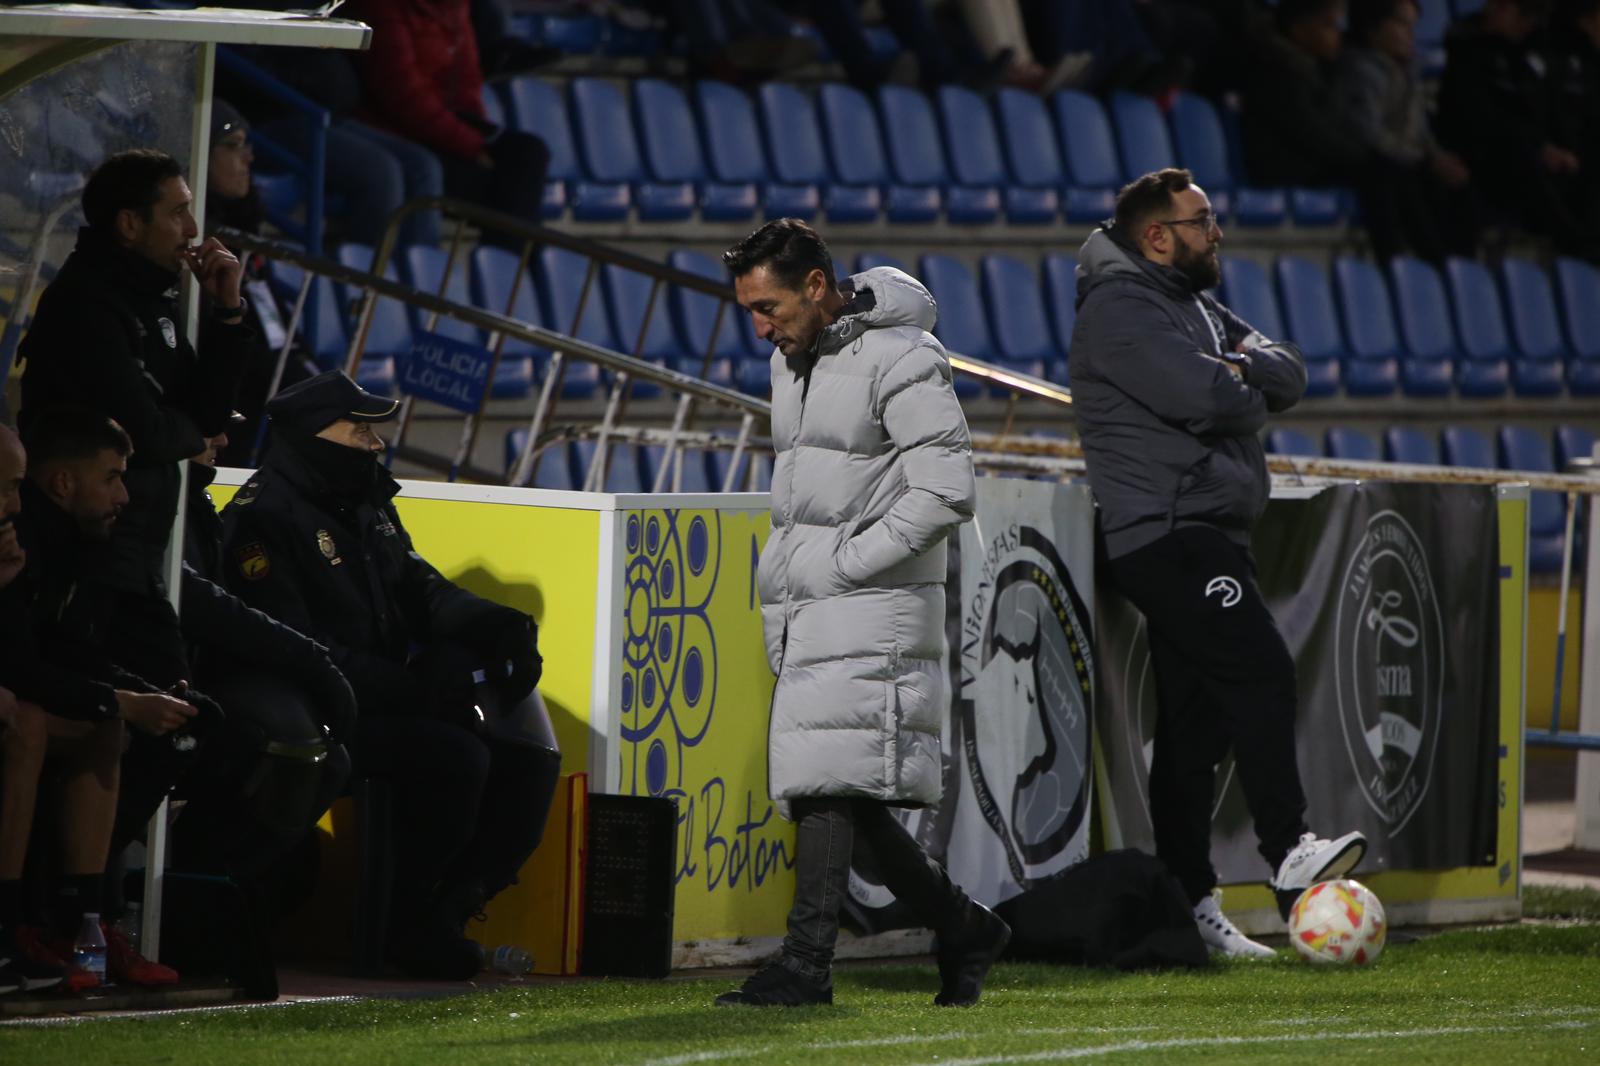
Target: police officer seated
444,679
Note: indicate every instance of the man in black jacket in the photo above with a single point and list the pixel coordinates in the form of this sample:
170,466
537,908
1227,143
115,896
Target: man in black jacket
314,540
109,336
71,703
1169,390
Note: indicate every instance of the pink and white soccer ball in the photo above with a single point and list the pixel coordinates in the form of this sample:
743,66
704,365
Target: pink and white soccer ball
1338,923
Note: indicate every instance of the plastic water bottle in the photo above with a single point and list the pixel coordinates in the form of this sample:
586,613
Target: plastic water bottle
512,960
89,950
131,925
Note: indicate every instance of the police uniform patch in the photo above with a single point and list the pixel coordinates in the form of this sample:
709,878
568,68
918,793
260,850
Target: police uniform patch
253,562
385,526
248,493
169,332
326,546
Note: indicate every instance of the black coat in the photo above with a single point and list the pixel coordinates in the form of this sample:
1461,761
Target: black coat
108,335
342,570
1494,102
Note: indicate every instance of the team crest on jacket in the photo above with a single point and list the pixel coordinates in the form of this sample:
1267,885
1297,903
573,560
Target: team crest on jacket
169,332
253,562
326,546
1389,667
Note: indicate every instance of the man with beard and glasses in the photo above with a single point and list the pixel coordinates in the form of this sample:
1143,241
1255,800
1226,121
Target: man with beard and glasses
1169,390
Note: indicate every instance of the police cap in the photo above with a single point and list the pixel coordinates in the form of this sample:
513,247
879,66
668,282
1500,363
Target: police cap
316,403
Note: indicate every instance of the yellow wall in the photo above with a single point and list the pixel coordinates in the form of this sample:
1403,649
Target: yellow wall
1544,604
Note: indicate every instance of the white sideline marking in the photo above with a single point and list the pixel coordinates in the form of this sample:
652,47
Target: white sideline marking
879,1041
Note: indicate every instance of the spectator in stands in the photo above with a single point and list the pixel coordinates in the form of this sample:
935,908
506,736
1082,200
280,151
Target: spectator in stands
998,31
449,718
1170,389
277,761
852,597
72,703
735,39
1433,211
839,22
1495,108
422,80
1575,72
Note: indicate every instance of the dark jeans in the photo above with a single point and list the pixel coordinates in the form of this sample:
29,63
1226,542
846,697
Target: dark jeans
825,839
513,185
1224,678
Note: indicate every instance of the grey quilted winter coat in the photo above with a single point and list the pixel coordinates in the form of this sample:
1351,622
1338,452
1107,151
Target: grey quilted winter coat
874,470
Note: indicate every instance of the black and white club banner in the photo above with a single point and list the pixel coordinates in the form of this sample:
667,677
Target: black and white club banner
1017,781
1387,596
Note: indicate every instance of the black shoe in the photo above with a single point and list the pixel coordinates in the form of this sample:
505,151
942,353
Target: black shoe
966,954
776,985
438,958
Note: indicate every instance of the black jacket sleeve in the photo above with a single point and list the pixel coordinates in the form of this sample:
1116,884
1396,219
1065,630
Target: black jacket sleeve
30,677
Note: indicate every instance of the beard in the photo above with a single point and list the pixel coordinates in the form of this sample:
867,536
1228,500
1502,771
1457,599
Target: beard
1201,268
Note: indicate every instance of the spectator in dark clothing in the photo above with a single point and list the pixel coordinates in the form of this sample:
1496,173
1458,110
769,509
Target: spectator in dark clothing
1495,108
440,675
71,702
423,81
839,22
1575,74
1431,207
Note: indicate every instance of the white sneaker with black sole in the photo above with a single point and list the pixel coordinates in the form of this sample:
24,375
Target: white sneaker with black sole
1314,860
1222,936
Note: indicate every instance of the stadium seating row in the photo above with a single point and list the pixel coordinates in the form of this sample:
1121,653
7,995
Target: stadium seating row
633,468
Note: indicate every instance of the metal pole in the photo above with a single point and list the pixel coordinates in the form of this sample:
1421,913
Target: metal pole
1561,611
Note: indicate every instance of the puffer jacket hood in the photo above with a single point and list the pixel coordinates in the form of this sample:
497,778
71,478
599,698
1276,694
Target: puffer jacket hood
873,471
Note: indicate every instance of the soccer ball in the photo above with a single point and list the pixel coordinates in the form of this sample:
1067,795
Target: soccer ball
1339,923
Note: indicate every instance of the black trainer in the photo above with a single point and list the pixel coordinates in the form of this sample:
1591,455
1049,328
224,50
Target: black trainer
966,955
776,985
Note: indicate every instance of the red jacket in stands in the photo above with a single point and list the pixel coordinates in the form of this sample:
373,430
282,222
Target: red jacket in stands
421,76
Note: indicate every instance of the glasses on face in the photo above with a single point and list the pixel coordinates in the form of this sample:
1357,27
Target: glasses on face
1205,223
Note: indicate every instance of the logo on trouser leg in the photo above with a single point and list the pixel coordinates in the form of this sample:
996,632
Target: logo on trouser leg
1231,592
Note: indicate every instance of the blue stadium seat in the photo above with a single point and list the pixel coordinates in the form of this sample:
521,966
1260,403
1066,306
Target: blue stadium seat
1142,136
555,463
610,151
672,152
1369,323
1461,446
1032,152
976,161
1573,442
1248,292
1431,338
624,470
627,297
580,34
917,158
1317,207
1539,368
693,475
560,278
1017,318
717,460
796,146
1429,33
694,314
538,107
856,148
732,136
1202,147
1093,171
1060,276
963,327
1485,341
494,109
326,338
1521,448
1281,440
1342,442
493,272
1579,285
422,267
1403,444
869,260
389,334
1313,321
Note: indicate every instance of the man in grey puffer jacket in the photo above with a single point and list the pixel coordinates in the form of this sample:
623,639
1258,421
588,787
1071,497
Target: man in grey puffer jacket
1169,390
873,472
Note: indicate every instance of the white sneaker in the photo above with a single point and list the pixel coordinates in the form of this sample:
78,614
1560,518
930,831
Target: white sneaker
1222,936
1314,859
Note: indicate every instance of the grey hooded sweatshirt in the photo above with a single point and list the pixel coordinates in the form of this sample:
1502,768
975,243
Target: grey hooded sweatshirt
1169,432
873,472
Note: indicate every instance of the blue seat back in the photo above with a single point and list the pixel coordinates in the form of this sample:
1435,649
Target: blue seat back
326,337
1141,134
605,131
1060,272
731,133
1031,148
494,109
1423,307
793,135
1281,440
1522,448
1308,308
1342,442
1202,145
1086,142
493,272
627,298
850,129
1247,291
911,132
963,326
561,276
1535,324
423,266
869,260
1017,318
1403,444
1462,446
695,313
667,131
1579,285
537,107
1480,318
968,125
1367,312
390,331
1573,442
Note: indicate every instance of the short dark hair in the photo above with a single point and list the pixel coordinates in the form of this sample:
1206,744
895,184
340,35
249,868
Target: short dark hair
129,180
787,247
1367,15
1146,197
69,434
